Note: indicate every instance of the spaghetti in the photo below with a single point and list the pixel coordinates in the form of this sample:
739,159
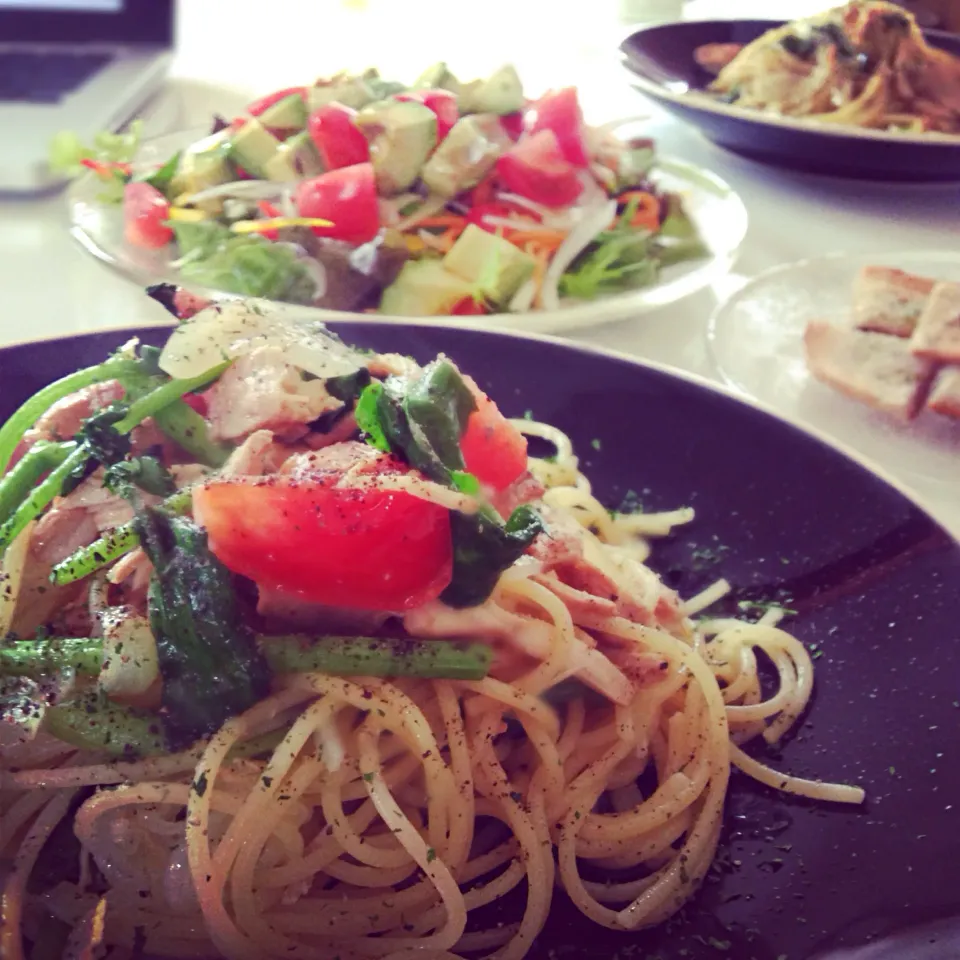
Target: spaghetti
387,811
866,64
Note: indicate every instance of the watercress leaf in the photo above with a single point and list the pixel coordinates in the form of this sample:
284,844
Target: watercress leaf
483,547
211,666
367,415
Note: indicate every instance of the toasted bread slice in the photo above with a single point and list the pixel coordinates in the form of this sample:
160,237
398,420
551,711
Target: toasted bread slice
877,370
945,394
937,335
888,300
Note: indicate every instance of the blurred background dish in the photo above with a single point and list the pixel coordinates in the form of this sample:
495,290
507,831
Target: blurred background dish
662,66
756,341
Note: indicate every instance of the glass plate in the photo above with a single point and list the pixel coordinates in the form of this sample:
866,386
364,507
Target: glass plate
719,214
756,343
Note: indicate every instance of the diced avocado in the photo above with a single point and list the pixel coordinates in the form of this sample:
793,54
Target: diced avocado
466,155
254,146
424,288
296,158
492,265
502,93
290,113
204,164
438,77
342,88
401,135
379,88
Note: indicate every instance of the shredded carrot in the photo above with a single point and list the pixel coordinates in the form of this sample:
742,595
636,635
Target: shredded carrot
648,209
541,255
549,239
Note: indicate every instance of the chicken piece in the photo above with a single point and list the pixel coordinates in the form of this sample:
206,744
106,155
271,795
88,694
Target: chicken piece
261,391
945,394
889,301
713,57
79,518
937,336
877,370
486,621
259,454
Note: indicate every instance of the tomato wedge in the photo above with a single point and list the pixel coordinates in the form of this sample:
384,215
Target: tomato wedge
537,169
347,197
494,450
145,214
559,111
358,547
338,139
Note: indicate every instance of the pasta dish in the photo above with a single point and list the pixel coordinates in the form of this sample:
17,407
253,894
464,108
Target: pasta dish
307,656
866,64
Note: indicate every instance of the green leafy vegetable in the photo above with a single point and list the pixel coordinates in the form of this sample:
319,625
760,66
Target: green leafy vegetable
422,423
367,415
67,150
209,660
161,179
618,259
483,547
246,264
348,388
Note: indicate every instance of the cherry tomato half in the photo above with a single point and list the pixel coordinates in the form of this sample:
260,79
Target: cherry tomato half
337,137
559,111
362,548
494,450
347,197
537,169
145,212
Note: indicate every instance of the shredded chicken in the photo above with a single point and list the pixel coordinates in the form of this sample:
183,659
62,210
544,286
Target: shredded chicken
259,391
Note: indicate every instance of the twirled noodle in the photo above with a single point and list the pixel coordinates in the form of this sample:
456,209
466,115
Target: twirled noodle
390,811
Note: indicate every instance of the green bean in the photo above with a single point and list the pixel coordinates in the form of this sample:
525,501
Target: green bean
11,433
143,407
339,656
38,658
42,495
154,401
93,722
377,657
41,458
182,424
111,547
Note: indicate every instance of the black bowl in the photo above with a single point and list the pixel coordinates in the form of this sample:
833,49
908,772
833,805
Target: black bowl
660,59
780,513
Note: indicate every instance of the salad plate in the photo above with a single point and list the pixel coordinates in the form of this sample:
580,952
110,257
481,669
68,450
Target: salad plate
779,513
756,342
708,224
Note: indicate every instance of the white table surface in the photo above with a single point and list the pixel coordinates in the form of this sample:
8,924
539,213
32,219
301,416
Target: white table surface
49,286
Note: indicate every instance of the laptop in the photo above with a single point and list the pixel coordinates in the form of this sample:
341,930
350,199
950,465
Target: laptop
80,65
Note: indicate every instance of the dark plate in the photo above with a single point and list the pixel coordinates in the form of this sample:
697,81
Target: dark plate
875,583
660,58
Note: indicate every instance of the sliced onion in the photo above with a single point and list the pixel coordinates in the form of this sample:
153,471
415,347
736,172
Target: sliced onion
595,220
235,328
318,274
11,576
130,662
247,189
522,300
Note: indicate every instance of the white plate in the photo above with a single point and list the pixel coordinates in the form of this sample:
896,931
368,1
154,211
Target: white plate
756,343
718,212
